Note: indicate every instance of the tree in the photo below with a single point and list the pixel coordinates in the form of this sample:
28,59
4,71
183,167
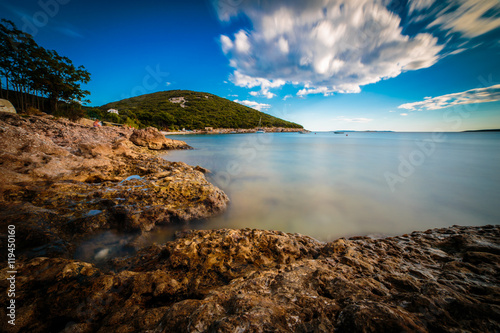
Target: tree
32,70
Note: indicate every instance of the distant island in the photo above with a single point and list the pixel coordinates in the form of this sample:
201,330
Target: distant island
184,109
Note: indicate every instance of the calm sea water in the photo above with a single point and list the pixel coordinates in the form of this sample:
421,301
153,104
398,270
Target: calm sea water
329,185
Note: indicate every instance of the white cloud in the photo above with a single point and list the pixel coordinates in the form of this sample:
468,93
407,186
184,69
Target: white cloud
241,42
242,80
478,95
403,114
338,46
226,43
283,45
333,45
418,5
470,18
254,105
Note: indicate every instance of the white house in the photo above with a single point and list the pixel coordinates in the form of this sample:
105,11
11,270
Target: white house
113,111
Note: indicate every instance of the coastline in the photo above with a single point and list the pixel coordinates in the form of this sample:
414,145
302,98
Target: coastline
63,182
236,131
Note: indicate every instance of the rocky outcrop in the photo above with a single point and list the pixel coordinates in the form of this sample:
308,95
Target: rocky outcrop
153,139
61,181
6,106
442,280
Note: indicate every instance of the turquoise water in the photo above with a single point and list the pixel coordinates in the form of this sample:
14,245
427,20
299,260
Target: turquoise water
329,185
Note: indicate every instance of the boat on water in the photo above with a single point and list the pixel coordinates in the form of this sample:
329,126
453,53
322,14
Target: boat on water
304,132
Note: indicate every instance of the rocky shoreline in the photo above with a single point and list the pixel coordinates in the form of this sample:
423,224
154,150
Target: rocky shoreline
61,182
442,280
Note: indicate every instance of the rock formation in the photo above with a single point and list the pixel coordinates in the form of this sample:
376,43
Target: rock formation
61,181
153,139
6,106
442,280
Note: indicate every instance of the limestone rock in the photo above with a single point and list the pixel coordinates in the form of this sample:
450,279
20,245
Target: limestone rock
6,106
153,139
267,281
56,174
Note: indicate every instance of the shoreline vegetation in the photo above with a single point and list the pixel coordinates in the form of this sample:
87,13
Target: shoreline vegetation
236,131
63,182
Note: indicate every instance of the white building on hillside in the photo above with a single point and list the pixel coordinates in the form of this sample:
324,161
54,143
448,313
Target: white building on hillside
113,111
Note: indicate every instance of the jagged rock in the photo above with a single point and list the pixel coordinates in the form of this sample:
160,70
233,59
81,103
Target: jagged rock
6,106
56,174
153,139
266,281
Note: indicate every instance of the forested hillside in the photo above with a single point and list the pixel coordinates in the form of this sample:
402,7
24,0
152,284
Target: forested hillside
177,109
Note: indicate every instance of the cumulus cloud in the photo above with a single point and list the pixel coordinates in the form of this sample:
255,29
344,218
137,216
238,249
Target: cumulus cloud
247,81
253,105
326,46
478,95
338,46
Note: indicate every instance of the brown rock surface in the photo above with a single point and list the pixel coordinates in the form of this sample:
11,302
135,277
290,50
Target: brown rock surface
441,280
6,106
60,181
153,139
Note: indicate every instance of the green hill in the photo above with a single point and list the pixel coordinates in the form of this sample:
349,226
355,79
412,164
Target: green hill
177,109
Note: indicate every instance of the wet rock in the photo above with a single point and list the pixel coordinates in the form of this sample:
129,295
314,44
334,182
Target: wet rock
257,281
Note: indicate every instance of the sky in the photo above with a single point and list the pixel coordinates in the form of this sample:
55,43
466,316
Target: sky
401,65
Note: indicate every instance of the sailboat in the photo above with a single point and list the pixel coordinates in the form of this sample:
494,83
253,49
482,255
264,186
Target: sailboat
259,129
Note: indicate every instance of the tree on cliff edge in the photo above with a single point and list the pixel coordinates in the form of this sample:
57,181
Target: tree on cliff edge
31,70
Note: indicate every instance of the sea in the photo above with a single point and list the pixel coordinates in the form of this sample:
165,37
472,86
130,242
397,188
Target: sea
326,185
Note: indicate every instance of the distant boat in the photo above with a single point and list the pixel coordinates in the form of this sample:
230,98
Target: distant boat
304,132
338,132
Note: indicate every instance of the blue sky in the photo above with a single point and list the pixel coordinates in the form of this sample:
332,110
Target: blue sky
400,65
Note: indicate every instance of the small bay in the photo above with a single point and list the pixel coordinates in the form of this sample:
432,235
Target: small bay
328,185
